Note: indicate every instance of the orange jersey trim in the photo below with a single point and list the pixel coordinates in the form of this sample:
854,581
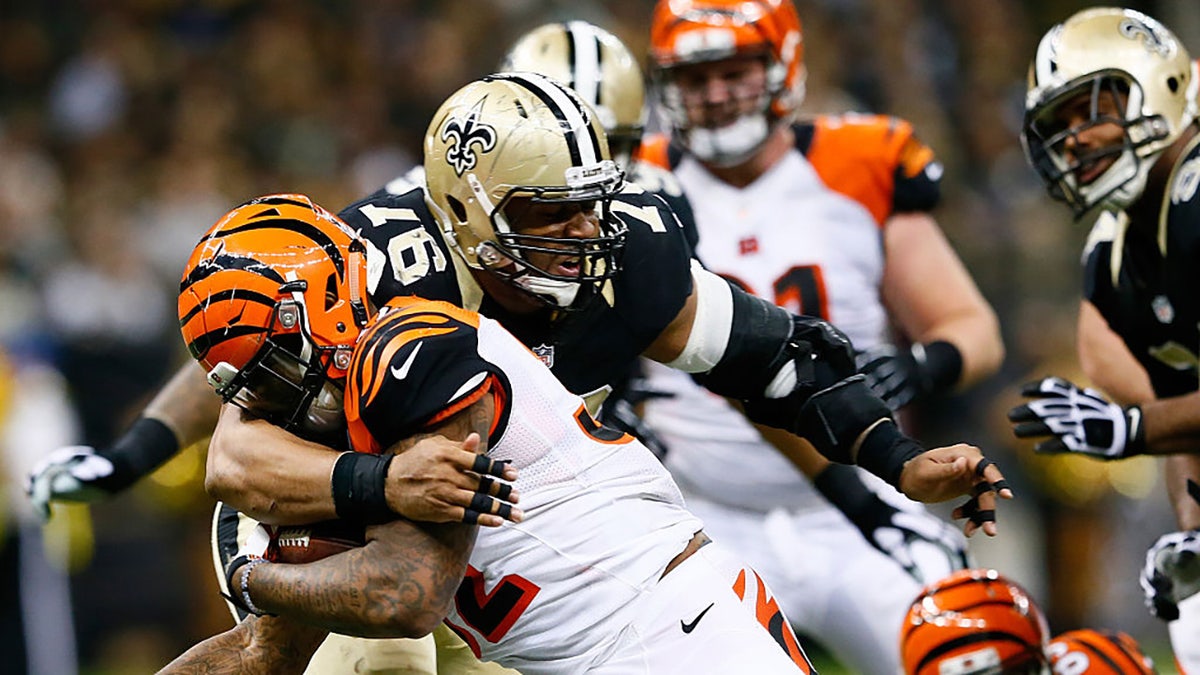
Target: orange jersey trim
858,155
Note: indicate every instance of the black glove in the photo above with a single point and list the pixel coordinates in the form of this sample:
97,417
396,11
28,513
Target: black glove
901,376
927,547
1077,420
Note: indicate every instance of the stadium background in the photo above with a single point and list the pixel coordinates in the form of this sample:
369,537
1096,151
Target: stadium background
128,127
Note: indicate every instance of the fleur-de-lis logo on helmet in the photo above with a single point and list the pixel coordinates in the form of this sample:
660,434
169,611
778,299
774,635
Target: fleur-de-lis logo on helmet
462,133
1152,37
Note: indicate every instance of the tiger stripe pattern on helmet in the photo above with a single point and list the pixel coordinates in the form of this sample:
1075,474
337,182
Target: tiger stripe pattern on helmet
978,620
1087,651
274,266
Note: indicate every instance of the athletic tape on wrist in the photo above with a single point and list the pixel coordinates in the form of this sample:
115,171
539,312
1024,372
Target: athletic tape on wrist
885,450
359,485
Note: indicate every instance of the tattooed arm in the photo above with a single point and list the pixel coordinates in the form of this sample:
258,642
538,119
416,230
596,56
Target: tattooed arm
259,645
400,584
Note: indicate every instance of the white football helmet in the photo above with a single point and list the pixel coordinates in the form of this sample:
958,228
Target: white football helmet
598,66
1140,63
522,135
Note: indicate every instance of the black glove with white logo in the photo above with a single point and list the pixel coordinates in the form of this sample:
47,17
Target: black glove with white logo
1077,420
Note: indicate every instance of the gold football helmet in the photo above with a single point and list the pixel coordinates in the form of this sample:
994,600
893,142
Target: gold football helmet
598,66
686,32
1098,55
511,140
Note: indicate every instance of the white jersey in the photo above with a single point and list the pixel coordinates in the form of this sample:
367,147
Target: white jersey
808,235
603,518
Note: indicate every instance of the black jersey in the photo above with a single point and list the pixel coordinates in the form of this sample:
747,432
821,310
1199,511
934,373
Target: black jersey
586,349
1143,280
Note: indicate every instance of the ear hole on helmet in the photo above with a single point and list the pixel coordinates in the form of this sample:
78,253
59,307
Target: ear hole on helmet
1173,84
460,211
331,296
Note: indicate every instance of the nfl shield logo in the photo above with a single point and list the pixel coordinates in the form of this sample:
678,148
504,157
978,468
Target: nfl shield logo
545,352
1163,309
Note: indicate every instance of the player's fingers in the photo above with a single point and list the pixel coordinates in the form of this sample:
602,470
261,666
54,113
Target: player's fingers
1032,389
1030,428
486,466
987,470
979,511
498,489
482,503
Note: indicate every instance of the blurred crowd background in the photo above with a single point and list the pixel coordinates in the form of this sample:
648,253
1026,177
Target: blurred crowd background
127,127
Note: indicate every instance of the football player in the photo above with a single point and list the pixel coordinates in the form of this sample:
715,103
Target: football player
827,217
974,622
588,285
1110,126
518,244
606,571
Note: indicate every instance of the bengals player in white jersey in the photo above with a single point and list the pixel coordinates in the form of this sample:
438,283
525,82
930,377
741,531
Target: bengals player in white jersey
1111,128
606,570
828,217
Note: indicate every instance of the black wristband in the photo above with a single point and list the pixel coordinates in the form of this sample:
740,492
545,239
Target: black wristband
359,487
141,449
844,488
885,450
943,365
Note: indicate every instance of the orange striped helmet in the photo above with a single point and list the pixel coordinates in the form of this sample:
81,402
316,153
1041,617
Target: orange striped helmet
974,622
687,32
1098,652
271,303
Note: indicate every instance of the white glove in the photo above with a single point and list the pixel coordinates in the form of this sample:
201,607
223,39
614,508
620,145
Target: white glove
1077,420
927,547
72,474
1172,573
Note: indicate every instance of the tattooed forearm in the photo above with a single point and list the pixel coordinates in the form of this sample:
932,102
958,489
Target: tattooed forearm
399,585
257,645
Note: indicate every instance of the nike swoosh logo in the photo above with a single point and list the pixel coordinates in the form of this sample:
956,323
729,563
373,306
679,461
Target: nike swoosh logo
689,627
402,372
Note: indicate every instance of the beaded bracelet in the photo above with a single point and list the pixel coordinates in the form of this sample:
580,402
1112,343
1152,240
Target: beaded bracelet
245,585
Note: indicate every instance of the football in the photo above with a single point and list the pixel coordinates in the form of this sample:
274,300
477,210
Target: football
308,543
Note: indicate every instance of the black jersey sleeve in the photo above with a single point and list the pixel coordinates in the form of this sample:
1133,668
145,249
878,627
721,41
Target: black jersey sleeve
655,279
417,364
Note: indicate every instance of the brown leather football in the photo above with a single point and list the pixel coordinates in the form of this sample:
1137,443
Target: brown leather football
308,543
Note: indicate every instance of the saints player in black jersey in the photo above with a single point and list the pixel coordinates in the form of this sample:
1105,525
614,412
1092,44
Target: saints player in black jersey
509,223
1111,127
588,285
